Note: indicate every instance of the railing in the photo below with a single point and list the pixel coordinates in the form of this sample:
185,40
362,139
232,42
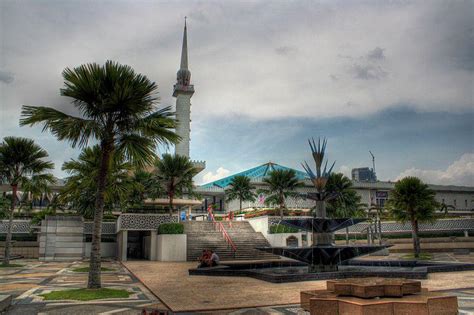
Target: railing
220,227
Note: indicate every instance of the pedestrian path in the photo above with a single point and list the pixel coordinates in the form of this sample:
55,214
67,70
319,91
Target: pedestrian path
27,283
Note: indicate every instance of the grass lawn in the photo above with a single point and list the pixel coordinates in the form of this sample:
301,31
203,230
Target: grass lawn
10,266
86,269
423,256
86,294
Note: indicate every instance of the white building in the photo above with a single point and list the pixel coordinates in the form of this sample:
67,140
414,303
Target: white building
458,198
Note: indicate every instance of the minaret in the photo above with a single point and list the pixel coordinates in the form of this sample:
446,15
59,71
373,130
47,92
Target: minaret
183,91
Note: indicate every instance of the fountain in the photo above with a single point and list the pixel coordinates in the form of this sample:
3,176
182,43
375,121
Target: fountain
325,260
323,255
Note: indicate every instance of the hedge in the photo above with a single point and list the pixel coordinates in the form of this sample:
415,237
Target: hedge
275,229
171,228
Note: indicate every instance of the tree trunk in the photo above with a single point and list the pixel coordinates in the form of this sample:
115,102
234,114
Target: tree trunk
282,205
320,208
240,204
416,240
171,196
94,281
8,239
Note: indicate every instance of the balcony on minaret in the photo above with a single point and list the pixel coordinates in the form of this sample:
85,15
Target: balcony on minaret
182,89
199,165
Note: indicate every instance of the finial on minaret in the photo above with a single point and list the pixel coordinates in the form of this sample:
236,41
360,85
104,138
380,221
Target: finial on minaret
184,50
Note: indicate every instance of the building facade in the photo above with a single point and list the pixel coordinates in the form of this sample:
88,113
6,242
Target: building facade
376,193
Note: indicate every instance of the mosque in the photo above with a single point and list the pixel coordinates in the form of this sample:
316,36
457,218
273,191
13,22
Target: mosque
134,235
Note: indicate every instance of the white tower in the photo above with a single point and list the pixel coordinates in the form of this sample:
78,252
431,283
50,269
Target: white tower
183,91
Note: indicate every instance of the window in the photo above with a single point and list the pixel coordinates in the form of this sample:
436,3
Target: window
455,202
465,203
442,200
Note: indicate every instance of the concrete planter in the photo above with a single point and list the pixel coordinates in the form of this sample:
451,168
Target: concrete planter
280,239
171,247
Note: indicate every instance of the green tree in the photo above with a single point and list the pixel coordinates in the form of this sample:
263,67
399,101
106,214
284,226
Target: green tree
144,188
411,200
174,174
241,189
282,184
117,108
79,189
35,189
344,201
20,160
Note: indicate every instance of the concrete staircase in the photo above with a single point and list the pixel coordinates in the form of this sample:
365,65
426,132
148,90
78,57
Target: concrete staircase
202,235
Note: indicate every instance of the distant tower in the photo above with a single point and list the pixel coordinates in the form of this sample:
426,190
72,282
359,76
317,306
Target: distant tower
183,91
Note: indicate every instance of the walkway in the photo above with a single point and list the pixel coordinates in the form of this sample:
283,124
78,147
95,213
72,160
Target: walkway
25,284
242,295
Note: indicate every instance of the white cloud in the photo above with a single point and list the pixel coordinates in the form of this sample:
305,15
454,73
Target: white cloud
460,172
210,176
346,170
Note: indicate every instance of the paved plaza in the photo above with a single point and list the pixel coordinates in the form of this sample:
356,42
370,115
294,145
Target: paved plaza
167,286
182,293
25,284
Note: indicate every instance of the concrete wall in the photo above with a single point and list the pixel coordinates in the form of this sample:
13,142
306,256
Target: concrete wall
106,249
279,239
61,238
260,224
25,249
171,247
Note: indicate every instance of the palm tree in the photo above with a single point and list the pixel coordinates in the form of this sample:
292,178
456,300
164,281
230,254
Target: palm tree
144,188
117,109
174,173
281,185
36,188
79,188
20,160
242,189
412,200
345,203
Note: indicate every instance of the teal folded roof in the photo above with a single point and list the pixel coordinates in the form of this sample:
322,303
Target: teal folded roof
256,174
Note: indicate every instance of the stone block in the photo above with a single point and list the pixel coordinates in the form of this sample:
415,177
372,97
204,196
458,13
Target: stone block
5,301
70,230
325,306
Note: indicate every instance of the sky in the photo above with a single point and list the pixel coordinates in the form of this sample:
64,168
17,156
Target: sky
393,77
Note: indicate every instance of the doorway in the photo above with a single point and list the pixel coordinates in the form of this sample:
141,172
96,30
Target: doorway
138,245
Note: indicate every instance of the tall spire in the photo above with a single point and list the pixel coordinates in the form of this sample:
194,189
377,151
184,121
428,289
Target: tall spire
184,50
184,75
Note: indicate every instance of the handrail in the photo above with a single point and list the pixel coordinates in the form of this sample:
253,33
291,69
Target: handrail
222,229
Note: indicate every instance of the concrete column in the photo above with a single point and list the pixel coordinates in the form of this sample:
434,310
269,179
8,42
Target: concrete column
123,244
153,242
466,234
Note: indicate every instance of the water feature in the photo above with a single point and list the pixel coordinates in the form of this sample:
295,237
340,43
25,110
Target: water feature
325,256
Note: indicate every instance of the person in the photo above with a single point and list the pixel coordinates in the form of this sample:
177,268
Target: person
214,259
204,259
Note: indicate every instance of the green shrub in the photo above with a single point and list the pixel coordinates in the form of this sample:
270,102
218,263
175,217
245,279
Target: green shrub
86,294
274,229
171,228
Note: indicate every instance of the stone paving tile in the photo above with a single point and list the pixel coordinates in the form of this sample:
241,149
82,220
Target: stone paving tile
27,283
181,292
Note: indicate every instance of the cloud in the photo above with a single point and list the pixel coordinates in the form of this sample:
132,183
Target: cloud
460,172
368,72
6,77
210,176
328,60
376,54
285,50
346,170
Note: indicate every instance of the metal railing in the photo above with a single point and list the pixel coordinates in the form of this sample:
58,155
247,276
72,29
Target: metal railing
220,227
